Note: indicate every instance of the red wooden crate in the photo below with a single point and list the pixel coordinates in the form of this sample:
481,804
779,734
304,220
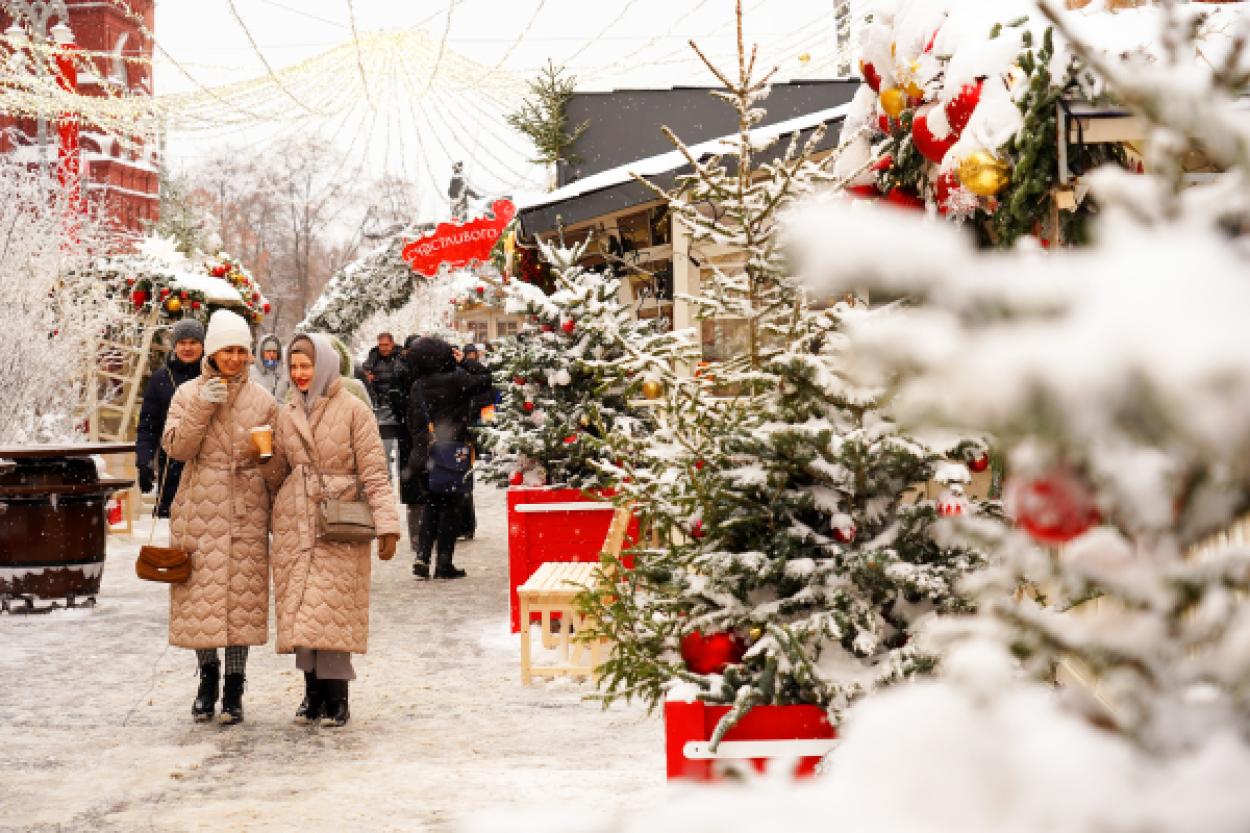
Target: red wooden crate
693,724
539,532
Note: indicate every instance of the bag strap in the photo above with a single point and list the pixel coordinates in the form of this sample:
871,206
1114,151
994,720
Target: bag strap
160,486
325,495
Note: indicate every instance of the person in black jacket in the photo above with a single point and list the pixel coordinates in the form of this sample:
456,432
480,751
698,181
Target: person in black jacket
183,365
439,406
400,392
382,367
471,364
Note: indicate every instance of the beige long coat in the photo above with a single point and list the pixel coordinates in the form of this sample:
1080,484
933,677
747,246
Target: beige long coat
321,589
220,515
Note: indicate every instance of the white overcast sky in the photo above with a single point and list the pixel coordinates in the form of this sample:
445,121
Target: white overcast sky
606,43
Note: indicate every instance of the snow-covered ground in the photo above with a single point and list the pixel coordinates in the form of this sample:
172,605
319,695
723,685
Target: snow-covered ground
97,735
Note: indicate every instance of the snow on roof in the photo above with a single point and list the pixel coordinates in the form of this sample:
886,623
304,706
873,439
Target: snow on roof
673,159
215,290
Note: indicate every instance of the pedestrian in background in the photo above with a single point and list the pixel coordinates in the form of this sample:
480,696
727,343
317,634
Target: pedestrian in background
471,364
325,436
269,372
221,515
382,366
182,365
446,392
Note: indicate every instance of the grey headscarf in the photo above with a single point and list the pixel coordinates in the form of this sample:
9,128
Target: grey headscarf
325,367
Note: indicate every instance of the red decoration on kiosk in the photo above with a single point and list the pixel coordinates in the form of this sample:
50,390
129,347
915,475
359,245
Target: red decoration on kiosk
459,244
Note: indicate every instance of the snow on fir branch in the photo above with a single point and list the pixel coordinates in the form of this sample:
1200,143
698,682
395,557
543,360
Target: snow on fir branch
543,117
377,282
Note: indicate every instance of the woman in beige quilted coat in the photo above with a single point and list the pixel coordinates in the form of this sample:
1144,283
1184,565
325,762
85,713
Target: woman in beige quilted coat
221,515
322,587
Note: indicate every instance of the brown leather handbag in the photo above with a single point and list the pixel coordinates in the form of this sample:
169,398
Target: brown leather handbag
168,565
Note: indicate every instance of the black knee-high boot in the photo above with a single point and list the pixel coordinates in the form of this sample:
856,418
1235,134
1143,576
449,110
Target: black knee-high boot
309,711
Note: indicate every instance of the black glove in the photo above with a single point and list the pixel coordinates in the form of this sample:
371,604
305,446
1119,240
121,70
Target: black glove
146,479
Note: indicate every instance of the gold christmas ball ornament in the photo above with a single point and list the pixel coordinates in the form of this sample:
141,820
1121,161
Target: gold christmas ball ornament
893,101
913,89
174,305
652,389
756,633
984,174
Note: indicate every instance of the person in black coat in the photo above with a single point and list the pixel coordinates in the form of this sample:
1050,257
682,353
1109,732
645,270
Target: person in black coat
439,405
471,364
183,365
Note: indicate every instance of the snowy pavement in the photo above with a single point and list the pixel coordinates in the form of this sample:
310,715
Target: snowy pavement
96,733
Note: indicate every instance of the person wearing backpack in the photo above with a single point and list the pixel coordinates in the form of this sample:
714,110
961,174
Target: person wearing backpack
438,470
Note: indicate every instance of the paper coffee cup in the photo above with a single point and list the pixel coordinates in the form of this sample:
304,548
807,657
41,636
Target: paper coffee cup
262,441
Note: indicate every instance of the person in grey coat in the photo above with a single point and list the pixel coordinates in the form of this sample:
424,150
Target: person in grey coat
269,372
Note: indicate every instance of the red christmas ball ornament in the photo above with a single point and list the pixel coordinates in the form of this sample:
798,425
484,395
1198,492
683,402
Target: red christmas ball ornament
568,325
570,439
139,298
1053,507
219,271
266,308
697,531
980,464
164,292
959,109
844,534
195,305
255,297
699,465
528,407
518,380
883,164
930,147
480,290
871,77
183,295
905,198
713,653
130,281
516,479
863,192
884,124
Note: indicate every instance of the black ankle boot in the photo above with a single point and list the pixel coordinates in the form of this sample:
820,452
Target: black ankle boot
309,711
334,711
449,572
206,698
421,569
232,700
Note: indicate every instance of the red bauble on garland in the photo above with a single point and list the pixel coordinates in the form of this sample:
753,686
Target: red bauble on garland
528,407
1053,507
219,271
942,188
480,290
568,325
697,531
518,380
883,164
930,147
885,124
570,439
711,654
139,297
980,464
959,109
844,534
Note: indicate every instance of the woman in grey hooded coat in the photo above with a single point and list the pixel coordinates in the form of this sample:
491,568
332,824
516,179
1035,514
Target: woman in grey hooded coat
270,373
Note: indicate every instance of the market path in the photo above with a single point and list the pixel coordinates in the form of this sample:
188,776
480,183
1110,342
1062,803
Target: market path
96,735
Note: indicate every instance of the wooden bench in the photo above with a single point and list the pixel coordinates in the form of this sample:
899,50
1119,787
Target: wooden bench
550,592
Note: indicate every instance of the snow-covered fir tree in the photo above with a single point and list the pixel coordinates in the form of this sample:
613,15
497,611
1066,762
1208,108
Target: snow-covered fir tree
1116,380
569,377
797,555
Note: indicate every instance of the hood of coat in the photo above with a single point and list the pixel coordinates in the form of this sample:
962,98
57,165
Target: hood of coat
269,342
431,356
325,369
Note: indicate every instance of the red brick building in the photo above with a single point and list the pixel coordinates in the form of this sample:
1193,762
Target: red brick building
126,178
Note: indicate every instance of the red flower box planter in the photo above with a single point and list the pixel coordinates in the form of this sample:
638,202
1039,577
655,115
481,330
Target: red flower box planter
766,733
549,524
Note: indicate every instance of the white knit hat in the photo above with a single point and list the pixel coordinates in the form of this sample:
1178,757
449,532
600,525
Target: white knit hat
227,329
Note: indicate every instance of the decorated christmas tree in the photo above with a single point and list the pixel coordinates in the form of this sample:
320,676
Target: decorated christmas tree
569,377
1119,579
797,554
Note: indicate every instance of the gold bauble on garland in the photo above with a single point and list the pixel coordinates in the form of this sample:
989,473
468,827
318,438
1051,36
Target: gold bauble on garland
652,389
984,174
173,305
893,101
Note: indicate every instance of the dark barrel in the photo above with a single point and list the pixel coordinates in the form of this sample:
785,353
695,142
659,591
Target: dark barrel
53,526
